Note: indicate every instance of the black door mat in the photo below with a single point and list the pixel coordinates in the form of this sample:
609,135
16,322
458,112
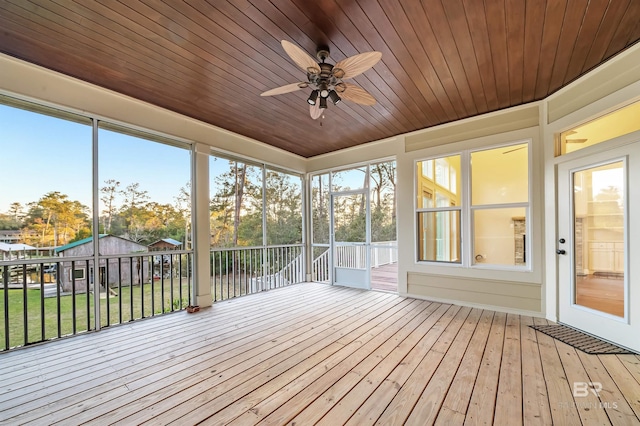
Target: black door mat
579,340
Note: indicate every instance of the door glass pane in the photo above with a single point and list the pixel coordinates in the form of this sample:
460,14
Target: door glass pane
350,259
350,218
599,235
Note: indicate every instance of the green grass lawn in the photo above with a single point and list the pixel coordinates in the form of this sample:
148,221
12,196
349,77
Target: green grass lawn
126,306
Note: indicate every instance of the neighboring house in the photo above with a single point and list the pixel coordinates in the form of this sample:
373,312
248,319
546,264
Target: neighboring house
166,244
111,271
12,236
9,235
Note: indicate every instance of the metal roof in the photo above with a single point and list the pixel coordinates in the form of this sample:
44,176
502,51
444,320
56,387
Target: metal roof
77,243
15,247
168,240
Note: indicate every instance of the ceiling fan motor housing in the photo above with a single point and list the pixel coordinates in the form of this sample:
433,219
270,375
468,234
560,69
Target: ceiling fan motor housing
324,81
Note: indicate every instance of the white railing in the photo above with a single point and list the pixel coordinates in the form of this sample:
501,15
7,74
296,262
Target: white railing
384,253
320,267
246,270
351,256
354,257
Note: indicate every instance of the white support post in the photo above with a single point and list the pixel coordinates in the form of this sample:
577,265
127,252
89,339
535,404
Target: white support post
200,224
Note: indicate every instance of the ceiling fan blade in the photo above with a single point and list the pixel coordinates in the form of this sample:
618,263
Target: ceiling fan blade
576,140
514,150
283,89
357,94
315,111
300,57
356,65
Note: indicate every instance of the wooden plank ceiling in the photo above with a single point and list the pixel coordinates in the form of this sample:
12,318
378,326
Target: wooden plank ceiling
442,60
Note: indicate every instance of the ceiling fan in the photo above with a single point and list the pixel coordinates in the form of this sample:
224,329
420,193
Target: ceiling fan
325,79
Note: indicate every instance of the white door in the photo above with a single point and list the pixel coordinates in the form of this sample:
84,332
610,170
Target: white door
599,233
350,239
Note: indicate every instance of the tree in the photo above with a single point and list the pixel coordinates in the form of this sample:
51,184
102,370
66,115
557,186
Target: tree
241,178
15,210
320,209
109,191
183,206
283,209
133,210
13,218
236,198
56,220
383,212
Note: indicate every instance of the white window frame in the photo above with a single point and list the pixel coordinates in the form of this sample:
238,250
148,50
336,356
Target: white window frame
466,209
437,208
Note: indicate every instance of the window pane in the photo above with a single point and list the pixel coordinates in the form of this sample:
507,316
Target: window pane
145,193
617,123
500,175
235,203
383,201
442,173
284,208
439,236
439,188
320,208
46,200
426,168
345,180
500,236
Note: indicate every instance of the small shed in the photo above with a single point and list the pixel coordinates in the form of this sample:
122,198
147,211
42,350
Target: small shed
165,244
131,268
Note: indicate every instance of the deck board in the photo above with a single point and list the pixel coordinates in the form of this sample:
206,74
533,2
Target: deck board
314,353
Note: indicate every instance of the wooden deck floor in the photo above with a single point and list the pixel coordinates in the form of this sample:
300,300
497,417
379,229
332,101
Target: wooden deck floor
312,353
385,277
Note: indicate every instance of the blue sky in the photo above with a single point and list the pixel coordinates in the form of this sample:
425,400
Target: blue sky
40,154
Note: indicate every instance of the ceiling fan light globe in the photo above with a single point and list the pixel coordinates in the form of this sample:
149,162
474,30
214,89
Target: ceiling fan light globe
324,90
323,103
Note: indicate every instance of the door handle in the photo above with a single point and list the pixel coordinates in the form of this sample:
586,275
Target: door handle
560,251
